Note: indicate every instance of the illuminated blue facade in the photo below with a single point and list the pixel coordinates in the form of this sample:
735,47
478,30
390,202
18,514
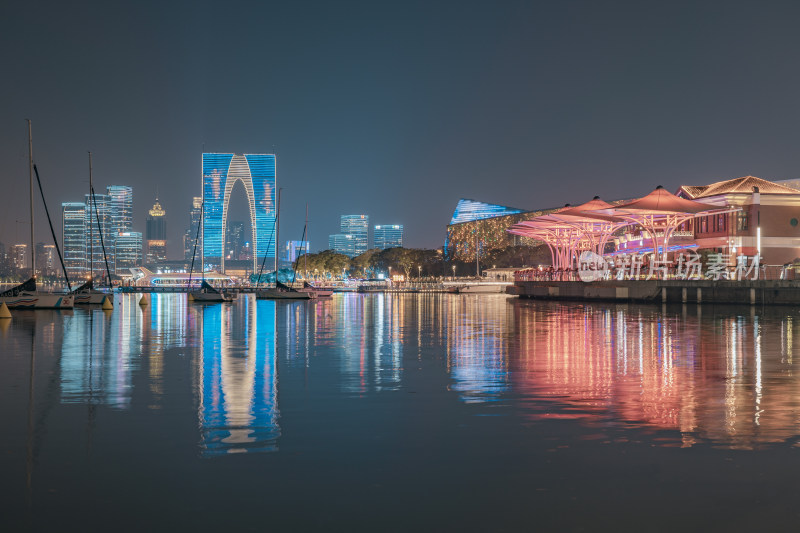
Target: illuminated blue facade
469,210
220,174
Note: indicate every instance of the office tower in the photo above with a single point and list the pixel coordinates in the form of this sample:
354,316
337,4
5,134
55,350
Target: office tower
99,235
156,235
46,260
127,251
234,240
74,239
342,243
295,249
220,174
358,227
3,263
191,233
121,206
388,236
19,257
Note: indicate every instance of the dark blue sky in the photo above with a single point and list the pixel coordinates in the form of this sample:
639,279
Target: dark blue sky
395,110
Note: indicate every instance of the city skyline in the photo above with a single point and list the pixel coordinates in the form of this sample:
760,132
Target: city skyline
572,100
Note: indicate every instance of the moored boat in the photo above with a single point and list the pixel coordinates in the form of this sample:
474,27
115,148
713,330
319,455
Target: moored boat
208,294
25,296
282,292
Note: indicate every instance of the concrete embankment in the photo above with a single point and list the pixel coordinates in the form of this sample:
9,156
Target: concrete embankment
667,291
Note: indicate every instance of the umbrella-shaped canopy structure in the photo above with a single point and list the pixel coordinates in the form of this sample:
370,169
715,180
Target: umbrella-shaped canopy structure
660,213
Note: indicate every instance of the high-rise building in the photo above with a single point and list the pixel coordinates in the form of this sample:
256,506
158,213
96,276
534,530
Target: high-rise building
128,251
19,258
3,261
99,240
121,206
358,227
234,240
191,235
74,238
387,236
342,243
220,174
295,249
46,260
156,234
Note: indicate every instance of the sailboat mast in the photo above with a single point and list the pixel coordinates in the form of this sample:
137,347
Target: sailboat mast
91,224
30,177
303,244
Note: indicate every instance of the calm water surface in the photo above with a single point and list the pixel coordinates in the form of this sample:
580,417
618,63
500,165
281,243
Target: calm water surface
400,412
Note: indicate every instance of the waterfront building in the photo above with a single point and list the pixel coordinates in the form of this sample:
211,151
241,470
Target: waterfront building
482,226
99,220
3,260
387,236
156,235
127,251
191,235
74,239
766,224
19,258
358,227
295,249
220,174
342,243
120,199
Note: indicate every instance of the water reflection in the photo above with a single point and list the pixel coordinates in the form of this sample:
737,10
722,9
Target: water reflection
703,376
238,377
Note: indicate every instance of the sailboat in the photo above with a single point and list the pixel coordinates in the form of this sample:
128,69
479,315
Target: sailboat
206,293
86,294
280,291
314,291
25,295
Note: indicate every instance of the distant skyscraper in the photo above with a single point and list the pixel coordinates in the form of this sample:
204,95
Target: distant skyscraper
295,249
74,238
19,257
98,224
121,205
156,234
220,174
342,243
127,251
234,240
46,259
191,232
388,236
358,227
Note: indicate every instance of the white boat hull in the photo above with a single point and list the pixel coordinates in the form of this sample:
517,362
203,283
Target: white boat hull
89,298
38,300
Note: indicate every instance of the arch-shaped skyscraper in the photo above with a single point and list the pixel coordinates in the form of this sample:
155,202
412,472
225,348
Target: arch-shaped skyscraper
220,174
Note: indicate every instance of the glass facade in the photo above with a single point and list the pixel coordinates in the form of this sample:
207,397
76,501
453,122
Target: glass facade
220,173
128,251
121,205
388,236
469,210
99,222
74,239
358,227
191,232
342,243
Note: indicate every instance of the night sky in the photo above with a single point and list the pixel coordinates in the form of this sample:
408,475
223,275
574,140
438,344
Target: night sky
395,110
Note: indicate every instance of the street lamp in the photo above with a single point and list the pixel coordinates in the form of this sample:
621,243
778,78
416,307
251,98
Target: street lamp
454,272
419,271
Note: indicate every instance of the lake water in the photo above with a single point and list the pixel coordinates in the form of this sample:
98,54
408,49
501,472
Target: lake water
398,412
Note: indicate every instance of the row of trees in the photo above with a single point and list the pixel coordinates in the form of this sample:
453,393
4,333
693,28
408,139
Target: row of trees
415,262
